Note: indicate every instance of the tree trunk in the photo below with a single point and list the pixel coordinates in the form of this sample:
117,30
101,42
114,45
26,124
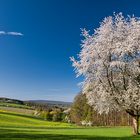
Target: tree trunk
135,124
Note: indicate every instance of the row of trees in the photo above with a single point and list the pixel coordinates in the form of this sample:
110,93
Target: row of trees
81,112
50,114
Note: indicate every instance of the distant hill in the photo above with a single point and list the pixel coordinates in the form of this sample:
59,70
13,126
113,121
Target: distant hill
8,100
41,102
51,103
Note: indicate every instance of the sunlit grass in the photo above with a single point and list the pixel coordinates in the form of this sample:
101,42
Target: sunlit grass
21,127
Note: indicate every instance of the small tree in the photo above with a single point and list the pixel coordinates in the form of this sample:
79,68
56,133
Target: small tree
56,115
80,110
110,62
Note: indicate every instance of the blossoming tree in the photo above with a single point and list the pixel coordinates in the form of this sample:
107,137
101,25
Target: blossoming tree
110,62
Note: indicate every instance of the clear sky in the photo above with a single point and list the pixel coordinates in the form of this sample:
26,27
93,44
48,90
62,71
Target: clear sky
37,37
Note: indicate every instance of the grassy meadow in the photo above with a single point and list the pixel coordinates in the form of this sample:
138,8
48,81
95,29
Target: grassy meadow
18,126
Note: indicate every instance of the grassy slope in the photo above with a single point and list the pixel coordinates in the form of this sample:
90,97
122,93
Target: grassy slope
22,127
17,110
14,105
25,121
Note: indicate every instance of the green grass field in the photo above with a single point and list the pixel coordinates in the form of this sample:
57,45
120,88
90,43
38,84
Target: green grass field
14,105
21,127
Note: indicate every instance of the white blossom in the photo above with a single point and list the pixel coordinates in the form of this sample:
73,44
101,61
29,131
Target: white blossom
110,62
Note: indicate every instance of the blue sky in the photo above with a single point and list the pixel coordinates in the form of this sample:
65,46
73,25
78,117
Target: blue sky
36,65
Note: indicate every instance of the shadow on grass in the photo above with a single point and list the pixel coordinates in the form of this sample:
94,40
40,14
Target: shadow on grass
48,127
13,135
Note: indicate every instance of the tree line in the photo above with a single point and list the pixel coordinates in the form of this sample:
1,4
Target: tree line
81,111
